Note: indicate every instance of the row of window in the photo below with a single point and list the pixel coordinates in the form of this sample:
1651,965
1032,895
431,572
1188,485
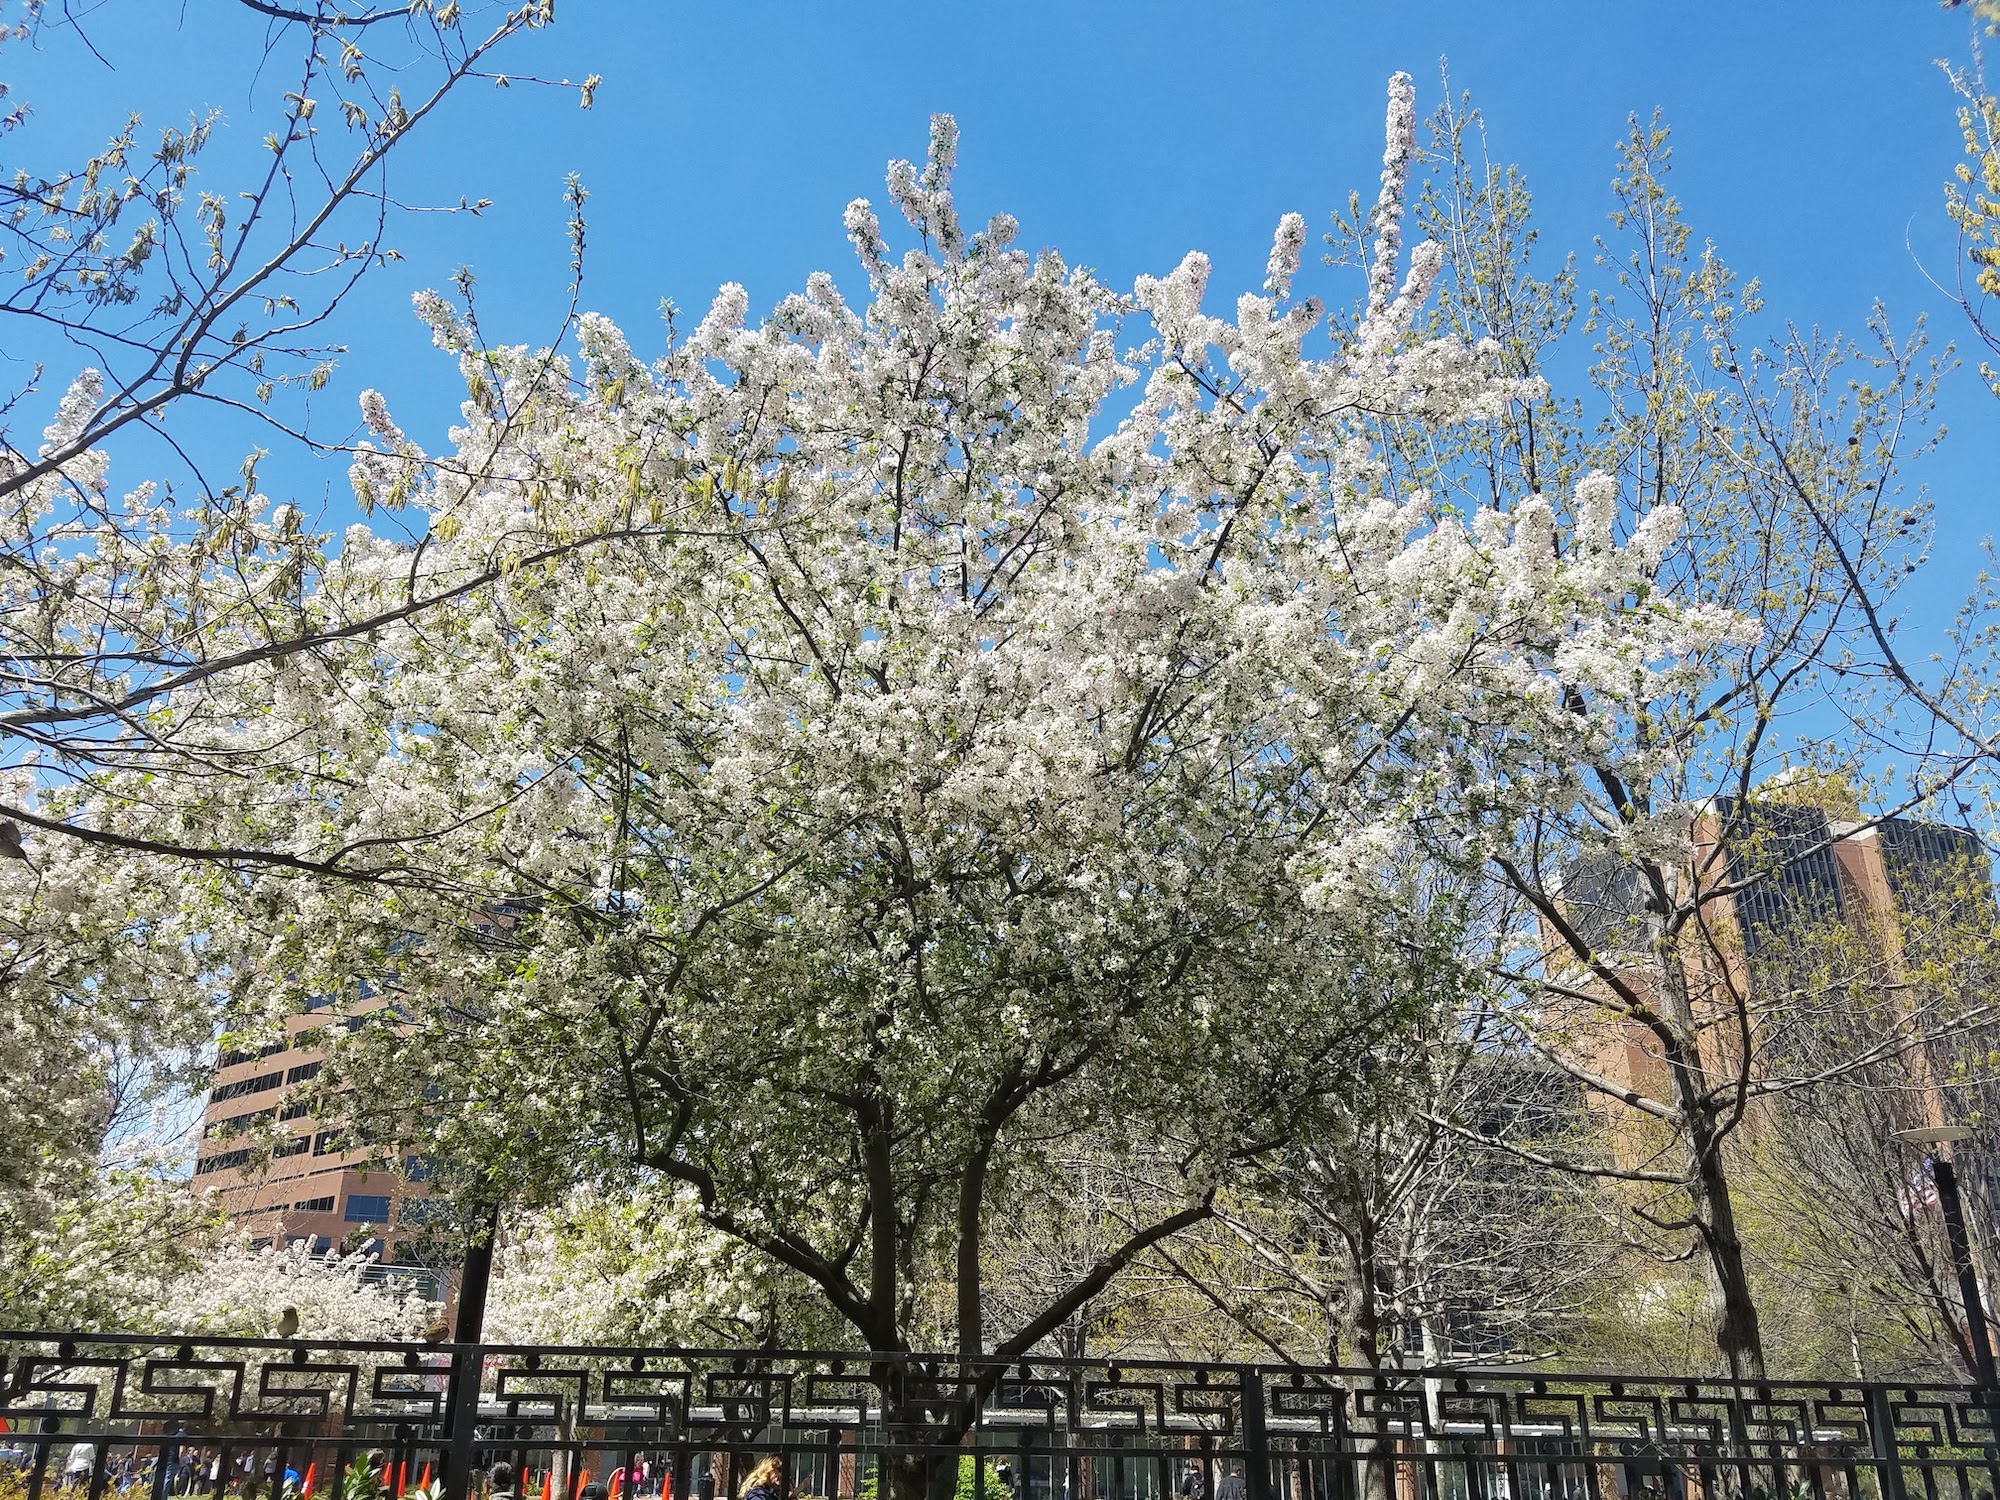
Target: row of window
323,1143
361,1208
251,1054
261,1084
369,1208
373,1208
239,1122
303,1073
236,1123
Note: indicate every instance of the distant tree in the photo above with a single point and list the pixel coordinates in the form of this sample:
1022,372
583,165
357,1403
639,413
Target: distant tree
1054,1223
1854,1219
288,1289
91,1244
1786,453
1972,198
641,1268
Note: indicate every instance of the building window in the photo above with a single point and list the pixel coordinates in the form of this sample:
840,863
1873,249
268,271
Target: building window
295,1111
367,1208
420,1168
239,1122
262,1083
304,1072
222,1161
314,1205
325,1141
249,1054
296,1146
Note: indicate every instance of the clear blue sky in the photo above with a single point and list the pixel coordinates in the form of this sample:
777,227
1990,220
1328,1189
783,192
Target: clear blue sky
1812,141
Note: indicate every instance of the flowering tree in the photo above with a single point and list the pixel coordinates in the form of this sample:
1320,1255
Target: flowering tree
121,612
248,1291
1972,198
973,765
94,1249
150,640
634,1269
1647,878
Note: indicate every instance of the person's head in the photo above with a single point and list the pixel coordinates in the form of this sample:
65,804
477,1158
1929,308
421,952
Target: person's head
768,1474
501,1477
594,1491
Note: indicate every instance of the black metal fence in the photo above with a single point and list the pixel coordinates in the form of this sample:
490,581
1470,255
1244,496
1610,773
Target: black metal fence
89,1416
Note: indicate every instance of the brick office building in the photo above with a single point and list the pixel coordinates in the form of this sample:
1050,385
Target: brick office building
1789,866
309,1184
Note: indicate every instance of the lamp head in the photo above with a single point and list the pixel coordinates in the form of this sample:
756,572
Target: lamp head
1935,1135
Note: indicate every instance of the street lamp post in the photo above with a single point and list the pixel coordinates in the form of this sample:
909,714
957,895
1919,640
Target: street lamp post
1953,1207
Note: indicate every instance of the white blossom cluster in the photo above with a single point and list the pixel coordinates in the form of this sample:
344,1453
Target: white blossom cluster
246,1291
633,1269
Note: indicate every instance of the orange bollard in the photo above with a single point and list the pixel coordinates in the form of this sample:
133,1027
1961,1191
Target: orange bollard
306,1489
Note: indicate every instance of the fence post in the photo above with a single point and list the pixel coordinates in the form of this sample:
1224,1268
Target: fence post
462,1419
1256,1439
1882,1440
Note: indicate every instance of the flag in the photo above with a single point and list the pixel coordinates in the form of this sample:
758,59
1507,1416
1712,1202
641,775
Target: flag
1920,1191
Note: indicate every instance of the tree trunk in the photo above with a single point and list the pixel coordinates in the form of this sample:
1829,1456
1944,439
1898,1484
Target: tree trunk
1739,1340
916,1476
916,1408
1739,1337
1376,1468
970,1271
473,1281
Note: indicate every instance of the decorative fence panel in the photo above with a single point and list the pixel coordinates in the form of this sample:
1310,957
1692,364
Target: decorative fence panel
90,1416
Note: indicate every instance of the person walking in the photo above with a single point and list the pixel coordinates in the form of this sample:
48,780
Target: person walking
765,1482
1231,1486
76,1471
1194,1485
500,1478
